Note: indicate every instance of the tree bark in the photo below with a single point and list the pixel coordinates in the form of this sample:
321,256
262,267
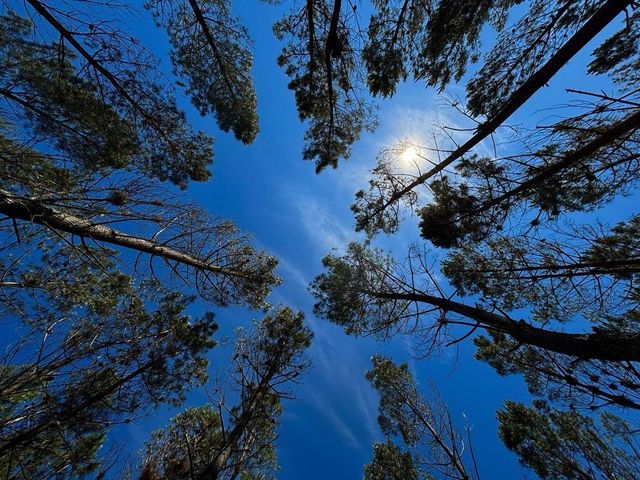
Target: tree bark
598,345
32,210
598,21
211,41
69,37
330,50
312,41
606,266
219,463
618,130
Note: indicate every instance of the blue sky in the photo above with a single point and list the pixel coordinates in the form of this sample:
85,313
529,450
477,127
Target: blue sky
270,192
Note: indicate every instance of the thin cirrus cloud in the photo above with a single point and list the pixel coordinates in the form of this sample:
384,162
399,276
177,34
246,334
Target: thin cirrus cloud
346,400
323,229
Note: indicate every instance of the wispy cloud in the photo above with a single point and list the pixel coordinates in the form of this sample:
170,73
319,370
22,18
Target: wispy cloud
325,407
325,230
344,389
292,274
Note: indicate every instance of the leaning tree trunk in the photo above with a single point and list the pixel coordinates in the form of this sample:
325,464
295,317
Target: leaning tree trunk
615,132
598,21
600,345
219,463
34,211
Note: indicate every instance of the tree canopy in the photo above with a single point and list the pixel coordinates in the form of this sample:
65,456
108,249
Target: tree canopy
106,260
226,441
101,260
549,297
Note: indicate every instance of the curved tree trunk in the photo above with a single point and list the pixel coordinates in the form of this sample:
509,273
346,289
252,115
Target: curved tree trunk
621,346
34,211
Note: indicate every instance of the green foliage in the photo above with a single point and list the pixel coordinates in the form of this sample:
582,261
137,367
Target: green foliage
337,289
576,164
573,382
183,449
619,55
621,244
584,273
587,272
422,422
566,445
390,463
522,49
434,41
280,338
320,58
367,293
346,293
61,107
452,38
211,52
437,222
67,455
391,43
64,452
236,440
108,356
97,121
398,394
585,162
31,172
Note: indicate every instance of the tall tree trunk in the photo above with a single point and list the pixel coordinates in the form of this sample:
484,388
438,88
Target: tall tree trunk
604,266
598,21
615,132
437,438
34,211
212,44
110,77
331,49
620,346
219,463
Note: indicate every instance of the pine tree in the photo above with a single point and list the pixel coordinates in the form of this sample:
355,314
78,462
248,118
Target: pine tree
100,259
422,423
368,293
581,270
85,176
92,350
567,445
321,59
390,463
225,440
525,58
211,51
117,77
555,444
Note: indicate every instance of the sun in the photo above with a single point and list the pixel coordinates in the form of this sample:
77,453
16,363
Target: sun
409,154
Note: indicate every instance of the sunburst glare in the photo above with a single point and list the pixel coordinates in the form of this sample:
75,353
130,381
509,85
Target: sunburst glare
410,153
